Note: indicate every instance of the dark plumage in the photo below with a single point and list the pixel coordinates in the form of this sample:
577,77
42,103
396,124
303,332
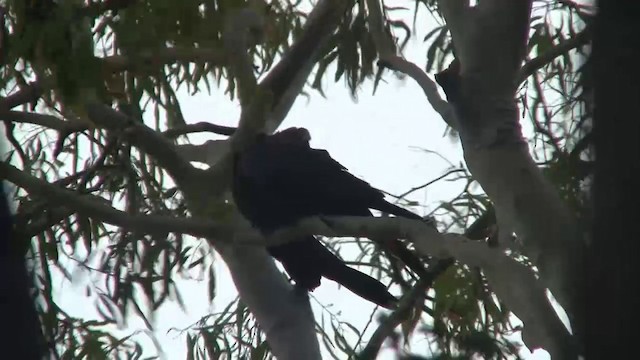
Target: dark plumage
280,179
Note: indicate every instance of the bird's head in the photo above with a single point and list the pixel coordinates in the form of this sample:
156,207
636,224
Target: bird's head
293,135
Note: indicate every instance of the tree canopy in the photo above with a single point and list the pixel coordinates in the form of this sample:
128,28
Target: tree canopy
101,163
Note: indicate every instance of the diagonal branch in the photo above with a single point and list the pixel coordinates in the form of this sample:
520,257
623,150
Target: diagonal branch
533,65
287,78
27,94
407,303
388,58
428,86
48,121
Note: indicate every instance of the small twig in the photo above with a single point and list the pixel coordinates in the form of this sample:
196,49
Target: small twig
545,108
401,196
533,65
9,127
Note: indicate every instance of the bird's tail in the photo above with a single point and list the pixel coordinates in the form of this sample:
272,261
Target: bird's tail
396,210
360,284
307,260
389,208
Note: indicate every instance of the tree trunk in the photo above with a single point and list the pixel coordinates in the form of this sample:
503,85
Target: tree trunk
23,337
612,256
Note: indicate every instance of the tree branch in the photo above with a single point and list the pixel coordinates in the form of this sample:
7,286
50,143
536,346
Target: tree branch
533,65
277,92
27,94
210,153
389,59
170,55
487,48
48,121
99,209
428,86
511,281
491,52
147,140
287,78
408,302
199,127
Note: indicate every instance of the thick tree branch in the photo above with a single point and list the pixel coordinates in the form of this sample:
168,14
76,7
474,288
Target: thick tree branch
210,153
284,314
490,54
458,15
277,92
48,121
287,78
511,281
27,94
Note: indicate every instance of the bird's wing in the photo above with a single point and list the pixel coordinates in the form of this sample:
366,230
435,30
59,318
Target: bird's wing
309,179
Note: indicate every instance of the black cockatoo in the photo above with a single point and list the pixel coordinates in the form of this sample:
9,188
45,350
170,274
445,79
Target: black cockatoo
280,179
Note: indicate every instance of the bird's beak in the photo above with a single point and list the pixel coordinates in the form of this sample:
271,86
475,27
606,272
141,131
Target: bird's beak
305,134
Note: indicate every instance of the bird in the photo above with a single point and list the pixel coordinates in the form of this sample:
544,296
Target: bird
279,179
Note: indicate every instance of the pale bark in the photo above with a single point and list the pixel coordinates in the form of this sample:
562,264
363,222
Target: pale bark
490,43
